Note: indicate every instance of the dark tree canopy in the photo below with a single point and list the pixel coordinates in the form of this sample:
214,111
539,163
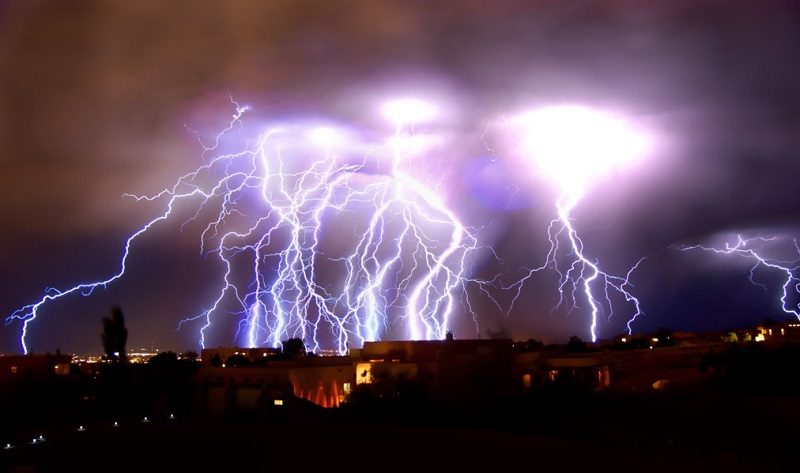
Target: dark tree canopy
115,335
237,360
293,348
165,358
575,345
500,334
530,345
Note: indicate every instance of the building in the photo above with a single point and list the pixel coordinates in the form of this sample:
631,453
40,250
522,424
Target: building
18,368
453,370
264,386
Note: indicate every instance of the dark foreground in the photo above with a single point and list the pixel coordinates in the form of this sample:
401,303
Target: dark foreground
225,447
718,434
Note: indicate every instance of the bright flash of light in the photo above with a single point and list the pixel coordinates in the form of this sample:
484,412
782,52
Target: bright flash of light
408,111
572,146
755,249
326,136
265,216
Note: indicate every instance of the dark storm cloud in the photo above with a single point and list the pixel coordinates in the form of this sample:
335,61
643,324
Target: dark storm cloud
94,95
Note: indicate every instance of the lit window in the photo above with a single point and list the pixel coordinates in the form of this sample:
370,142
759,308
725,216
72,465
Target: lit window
13,370
770,332
346,388
552,375
363,373
526,380
278,402
624,340
783,331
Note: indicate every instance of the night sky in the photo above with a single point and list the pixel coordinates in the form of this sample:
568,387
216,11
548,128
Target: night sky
99,99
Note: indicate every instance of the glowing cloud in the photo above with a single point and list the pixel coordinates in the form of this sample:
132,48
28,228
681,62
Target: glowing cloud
326,136
408,111
267,213
573,145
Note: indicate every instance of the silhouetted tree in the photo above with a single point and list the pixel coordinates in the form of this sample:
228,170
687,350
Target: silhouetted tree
216,362
188,355
237,360
731,337
115,335
500,334
165,358
575,344
293,348
166,383
530,345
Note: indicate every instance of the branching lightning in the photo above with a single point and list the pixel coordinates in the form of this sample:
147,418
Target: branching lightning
576,273
572,146
754,249
268,215
319,240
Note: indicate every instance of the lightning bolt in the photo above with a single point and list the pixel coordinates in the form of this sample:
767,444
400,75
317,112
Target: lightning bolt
753,249
577,273
574,146
269,215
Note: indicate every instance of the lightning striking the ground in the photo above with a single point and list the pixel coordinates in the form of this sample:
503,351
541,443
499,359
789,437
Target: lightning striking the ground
577,273
755,249
572,146
323,236
315,241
